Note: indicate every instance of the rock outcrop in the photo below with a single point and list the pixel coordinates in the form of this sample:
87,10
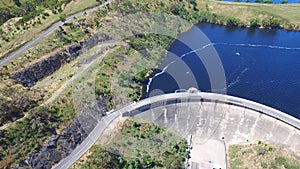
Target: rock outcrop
58,146
32,74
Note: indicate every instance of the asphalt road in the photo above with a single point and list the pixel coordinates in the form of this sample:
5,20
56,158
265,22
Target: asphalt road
88,142
34,41
47,32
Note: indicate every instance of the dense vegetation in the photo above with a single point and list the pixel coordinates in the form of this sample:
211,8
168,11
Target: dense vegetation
170,150
57,115
261,155
195,13
29,9
16,100
263,1
26,136
131,80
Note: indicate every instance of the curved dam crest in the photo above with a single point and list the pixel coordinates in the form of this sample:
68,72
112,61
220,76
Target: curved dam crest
206,116
219,116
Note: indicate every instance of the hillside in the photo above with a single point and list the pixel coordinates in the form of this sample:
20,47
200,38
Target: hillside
114,73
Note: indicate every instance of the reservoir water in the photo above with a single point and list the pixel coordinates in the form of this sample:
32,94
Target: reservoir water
258,65
273,1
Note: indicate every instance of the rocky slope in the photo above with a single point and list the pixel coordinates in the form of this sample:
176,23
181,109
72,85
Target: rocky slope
32,74
60,145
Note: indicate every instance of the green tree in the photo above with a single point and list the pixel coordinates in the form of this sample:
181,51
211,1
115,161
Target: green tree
133,164
141,76
232,21
271,22
62,17
173,162
103,159
268,1
17,2
254,22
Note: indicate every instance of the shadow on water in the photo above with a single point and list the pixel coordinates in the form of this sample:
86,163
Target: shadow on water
230,28
268,32
251,31
273,1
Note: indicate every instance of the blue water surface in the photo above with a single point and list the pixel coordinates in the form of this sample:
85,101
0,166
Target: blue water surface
259,65
273,1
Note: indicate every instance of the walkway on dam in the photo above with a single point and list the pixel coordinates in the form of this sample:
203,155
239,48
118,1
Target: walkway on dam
221,121
206,116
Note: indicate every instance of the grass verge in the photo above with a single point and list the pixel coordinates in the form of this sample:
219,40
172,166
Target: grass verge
260,156
138,144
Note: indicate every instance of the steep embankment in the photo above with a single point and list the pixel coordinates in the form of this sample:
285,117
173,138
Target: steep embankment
36,72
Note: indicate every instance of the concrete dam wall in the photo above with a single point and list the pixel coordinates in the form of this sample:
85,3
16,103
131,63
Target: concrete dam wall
213,120
209,116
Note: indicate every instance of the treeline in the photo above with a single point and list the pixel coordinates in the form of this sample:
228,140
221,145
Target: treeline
263,1
190,12
30,9
197,16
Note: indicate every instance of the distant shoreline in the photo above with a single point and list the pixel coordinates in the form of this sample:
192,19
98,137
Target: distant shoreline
285,16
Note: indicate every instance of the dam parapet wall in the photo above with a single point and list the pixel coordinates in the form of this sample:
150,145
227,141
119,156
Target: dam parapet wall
216,116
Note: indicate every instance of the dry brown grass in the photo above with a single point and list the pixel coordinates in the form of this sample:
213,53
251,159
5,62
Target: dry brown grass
261,156
20,37
246,11
4,3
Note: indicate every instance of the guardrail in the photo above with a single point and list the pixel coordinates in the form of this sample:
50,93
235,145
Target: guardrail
182,97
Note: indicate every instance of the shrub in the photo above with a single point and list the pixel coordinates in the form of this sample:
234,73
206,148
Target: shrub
62,17
46,14
254,22
264,165
232,22
268,1
291,26
270,148
271,22
261,151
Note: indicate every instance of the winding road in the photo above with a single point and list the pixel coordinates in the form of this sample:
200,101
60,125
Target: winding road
48,31
173,98
87,143
34,41
101,126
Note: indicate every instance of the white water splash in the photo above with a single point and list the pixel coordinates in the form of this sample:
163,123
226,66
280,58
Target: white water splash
165,116
215,44
253,45
166,67
238,78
